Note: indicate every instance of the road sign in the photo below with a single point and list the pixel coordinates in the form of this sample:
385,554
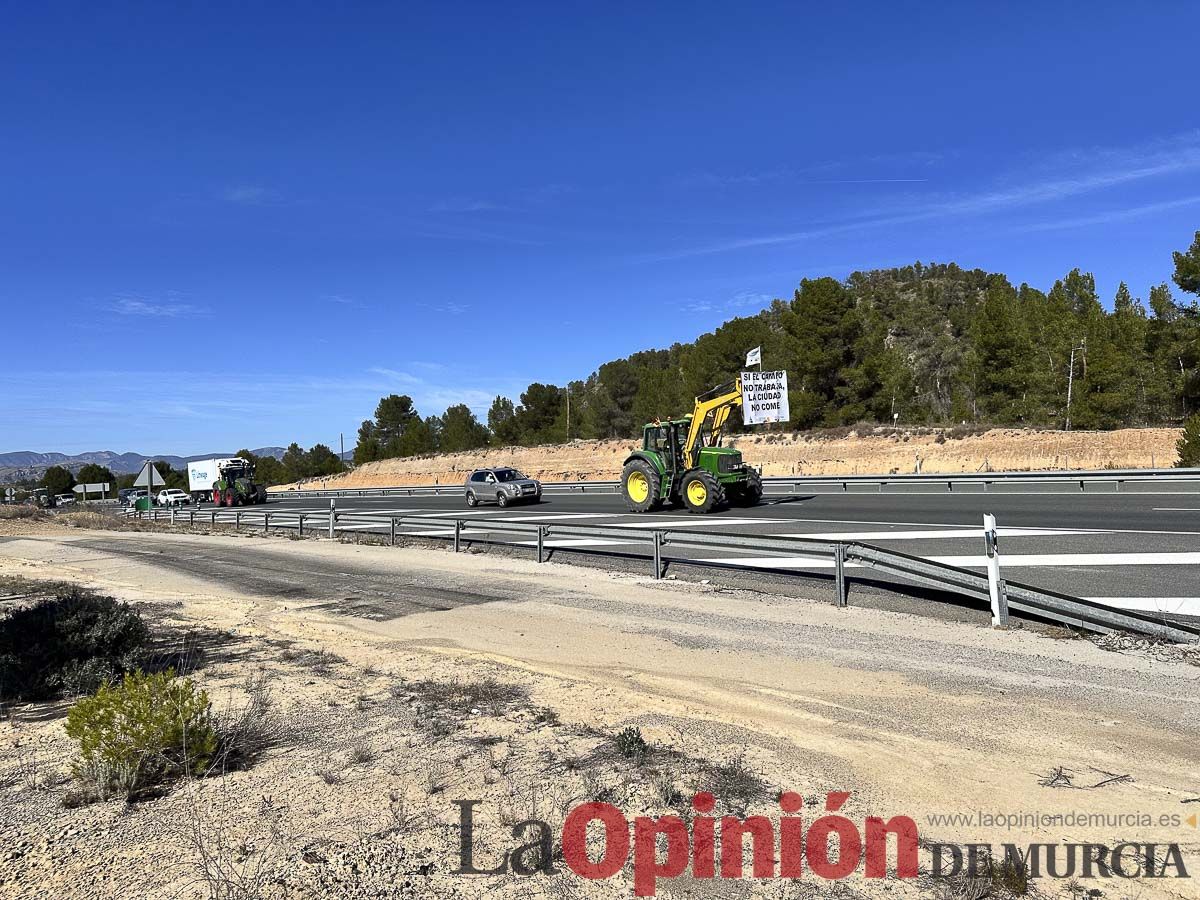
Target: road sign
100,487
10,493
150,478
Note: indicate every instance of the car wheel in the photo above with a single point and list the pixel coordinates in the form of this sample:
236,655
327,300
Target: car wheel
502,499
472,500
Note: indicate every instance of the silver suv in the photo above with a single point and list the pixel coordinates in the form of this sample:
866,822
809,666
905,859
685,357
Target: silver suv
505,486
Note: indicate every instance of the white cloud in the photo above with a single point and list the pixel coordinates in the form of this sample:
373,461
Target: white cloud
448,307
1114,215
200,411
460,205
1103,169
250,195
132,305
743,302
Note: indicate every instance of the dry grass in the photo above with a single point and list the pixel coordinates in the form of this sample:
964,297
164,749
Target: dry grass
14,512
319,662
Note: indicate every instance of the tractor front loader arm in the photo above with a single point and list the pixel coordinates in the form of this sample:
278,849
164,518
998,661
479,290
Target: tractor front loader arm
719,403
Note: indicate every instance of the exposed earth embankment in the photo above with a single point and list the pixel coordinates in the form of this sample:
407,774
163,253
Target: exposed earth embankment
867,451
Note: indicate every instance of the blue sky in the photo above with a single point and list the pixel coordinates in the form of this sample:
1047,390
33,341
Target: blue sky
241,225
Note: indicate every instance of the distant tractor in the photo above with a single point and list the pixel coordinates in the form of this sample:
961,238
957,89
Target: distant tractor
682,462
225,482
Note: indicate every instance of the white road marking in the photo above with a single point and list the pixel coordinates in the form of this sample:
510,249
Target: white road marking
1184,606
458,513
571,542
1007,560
933,535
696,522
1177,509
535,517
441,532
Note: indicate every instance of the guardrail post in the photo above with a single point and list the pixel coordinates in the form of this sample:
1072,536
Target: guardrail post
658,571
457,533
393,530
839,574
332,516
172,515
192,518
541,543
300,526
266,522
237,519
213,514
996,591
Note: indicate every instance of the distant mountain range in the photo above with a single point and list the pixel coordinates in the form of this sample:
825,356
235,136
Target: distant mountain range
24,464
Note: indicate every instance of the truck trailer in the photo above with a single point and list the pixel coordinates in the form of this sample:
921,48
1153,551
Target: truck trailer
224,482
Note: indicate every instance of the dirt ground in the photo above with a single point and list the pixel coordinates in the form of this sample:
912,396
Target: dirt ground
836,452
744,693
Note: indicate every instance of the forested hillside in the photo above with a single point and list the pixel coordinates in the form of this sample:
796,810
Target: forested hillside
932,344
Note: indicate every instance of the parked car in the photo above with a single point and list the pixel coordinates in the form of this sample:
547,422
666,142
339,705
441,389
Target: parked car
173,497
130,496
504,486
63,499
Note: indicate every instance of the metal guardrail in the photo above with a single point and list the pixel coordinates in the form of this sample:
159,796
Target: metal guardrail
655,544
980,481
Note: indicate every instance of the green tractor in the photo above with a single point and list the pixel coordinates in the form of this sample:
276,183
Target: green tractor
682,462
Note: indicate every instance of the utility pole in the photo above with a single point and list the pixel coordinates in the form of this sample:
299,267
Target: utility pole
568,410
342,447
1071,379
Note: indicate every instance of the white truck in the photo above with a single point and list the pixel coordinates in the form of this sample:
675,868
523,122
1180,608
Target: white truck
224,482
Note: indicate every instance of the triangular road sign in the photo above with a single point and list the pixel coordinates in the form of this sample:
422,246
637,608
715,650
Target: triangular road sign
149,478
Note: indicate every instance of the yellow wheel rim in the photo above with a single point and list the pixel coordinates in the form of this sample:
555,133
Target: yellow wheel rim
637,485
697,492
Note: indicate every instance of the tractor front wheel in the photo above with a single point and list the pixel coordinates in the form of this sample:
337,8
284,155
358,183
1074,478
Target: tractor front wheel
749,492
640,484
701,492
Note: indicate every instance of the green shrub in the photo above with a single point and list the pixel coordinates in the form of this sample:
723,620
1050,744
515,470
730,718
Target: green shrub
1189,444
631,744
147,730
69,643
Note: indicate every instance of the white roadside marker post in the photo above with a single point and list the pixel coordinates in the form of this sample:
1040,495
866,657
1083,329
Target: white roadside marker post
332,515
996,590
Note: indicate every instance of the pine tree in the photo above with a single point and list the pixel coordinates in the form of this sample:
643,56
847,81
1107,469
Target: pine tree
1189,444
1187,268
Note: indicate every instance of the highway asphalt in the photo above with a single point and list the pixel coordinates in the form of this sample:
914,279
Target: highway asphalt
1133,549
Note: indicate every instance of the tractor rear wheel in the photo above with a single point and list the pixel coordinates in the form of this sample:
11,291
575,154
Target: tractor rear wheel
749,492
640,484
701,492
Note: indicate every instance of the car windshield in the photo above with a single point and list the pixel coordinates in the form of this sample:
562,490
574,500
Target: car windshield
508,475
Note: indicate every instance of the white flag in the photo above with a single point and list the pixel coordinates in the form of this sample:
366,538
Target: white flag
754,357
